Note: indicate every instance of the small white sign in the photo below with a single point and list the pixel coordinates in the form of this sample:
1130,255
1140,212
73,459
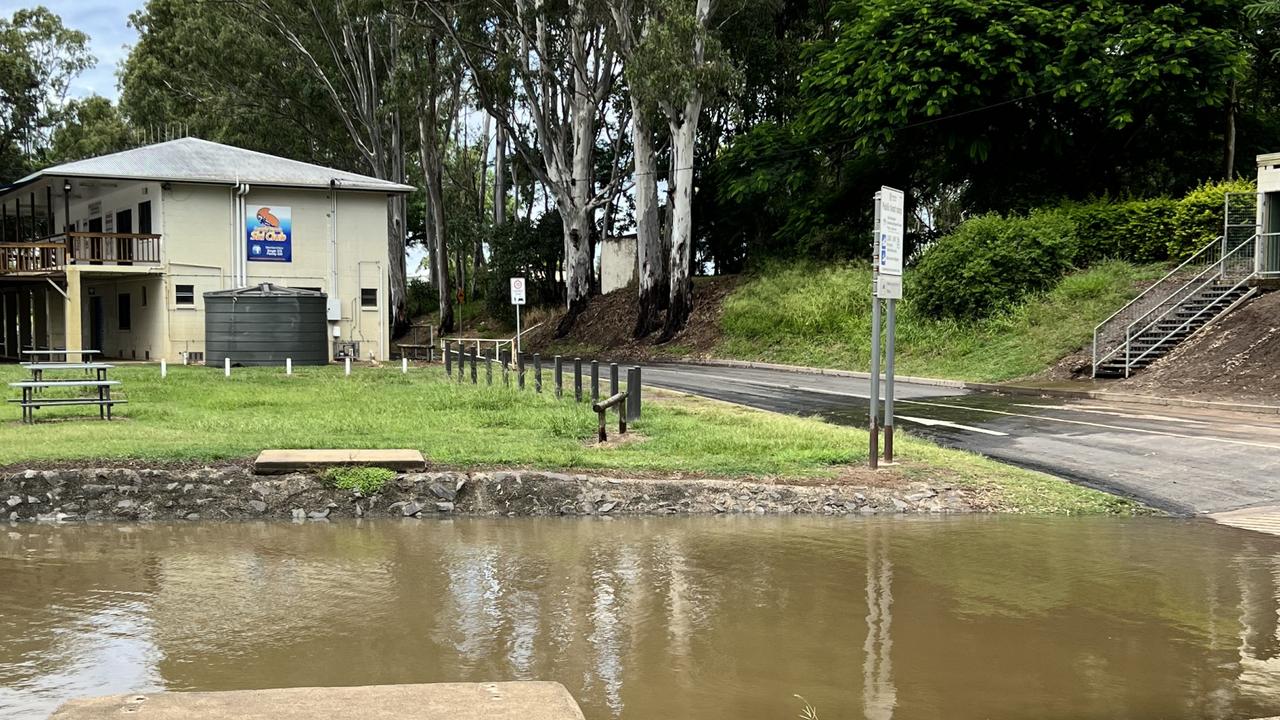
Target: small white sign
889,237
889,287
517,291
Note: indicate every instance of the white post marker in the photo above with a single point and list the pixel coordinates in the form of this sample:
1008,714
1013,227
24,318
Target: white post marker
890,236
404,365
164,369
226,366
517,299
348,366
288,366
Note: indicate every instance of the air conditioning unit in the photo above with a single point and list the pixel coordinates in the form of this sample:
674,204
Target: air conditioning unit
346,349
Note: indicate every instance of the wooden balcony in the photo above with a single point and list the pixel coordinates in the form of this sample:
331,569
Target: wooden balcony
79,248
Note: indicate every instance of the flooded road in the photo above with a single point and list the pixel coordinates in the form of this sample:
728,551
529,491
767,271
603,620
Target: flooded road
652,619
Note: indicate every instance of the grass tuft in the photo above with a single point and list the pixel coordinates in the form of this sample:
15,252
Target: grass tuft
368,480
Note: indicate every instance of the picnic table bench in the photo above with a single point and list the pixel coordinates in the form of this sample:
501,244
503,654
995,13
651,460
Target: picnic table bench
64,353
30,402
38,369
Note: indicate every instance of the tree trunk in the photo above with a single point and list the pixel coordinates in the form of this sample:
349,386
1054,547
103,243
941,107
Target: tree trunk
683,135
433,172
1229,146
482,190
577,264
650,259
499,178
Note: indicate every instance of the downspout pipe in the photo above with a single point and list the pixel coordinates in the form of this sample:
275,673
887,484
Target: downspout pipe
240,264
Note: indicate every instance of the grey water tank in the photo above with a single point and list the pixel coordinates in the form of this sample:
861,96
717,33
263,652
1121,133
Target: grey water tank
264,324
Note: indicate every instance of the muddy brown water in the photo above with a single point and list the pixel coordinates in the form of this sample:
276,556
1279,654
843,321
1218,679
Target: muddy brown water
652,619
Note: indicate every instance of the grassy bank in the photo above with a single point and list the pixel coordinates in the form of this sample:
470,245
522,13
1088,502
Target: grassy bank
821,316
197,414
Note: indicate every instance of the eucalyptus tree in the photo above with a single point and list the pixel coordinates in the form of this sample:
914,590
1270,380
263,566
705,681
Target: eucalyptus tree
434,81
544,69
39,57
352,50
673,63
633,26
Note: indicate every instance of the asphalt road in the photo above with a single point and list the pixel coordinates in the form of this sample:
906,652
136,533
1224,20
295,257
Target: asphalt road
1176,459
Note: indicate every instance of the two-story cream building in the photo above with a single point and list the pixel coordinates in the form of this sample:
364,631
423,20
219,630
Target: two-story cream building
115,253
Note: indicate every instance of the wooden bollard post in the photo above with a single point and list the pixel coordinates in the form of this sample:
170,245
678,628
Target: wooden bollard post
613,379
633,394
448,359
506,380
559,377
537,373
595,380
577,379
622,417
473,366
488,367
520,370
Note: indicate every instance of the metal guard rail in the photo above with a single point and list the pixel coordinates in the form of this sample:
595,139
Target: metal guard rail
1236,263
1108,337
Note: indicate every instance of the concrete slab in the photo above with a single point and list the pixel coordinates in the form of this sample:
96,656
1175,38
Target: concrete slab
451,701
282,461
1265,520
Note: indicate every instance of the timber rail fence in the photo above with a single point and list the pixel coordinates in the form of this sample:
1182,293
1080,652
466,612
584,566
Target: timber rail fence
463,363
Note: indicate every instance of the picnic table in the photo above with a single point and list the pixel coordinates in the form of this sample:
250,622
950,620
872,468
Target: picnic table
33,397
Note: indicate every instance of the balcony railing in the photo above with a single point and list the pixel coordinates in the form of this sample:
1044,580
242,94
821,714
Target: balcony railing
80,248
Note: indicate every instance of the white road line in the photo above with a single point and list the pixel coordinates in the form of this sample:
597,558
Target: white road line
968,408
948,423
1110,411
1144,431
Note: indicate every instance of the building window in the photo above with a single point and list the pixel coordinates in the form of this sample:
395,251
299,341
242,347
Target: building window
369,297
144,217
185,294
144,296
125,314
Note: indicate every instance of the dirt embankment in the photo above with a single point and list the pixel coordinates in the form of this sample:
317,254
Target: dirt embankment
607,323
1235,359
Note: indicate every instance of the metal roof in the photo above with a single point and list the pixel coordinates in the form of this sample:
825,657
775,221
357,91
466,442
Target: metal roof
265,290
196,160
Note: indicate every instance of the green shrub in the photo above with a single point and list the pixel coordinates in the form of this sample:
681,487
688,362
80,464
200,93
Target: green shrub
1198,219
991,262
1138,231
368,480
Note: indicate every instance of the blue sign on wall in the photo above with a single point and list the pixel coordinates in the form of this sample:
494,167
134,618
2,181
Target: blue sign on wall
269,233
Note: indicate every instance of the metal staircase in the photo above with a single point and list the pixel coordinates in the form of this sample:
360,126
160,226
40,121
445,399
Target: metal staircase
1208,285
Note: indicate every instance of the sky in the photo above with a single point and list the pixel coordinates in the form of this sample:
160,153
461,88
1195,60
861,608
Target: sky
107,24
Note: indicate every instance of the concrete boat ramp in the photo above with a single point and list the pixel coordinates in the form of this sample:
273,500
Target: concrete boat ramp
451,701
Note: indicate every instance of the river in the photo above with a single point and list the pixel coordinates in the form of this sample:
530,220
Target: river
662,618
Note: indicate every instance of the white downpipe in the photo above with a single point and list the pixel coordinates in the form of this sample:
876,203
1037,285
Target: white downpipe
334,327
242,267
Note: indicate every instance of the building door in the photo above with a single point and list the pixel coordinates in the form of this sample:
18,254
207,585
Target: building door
124,245
97,329
1271,233
95,242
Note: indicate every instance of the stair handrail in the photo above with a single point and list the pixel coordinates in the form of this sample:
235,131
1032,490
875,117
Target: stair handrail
1129,361
1219,270
1121,341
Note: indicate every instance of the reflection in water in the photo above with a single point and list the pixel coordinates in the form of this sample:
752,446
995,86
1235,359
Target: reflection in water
968,617
878,694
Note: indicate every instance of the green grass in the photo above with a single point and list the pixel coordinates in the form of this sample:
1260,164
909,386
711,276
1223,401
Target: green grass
367,480
198,415
821,316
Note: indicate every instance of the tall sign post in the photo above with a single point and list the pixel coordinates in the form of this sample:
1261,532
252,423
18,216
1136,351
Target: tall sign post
890,216
517,299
